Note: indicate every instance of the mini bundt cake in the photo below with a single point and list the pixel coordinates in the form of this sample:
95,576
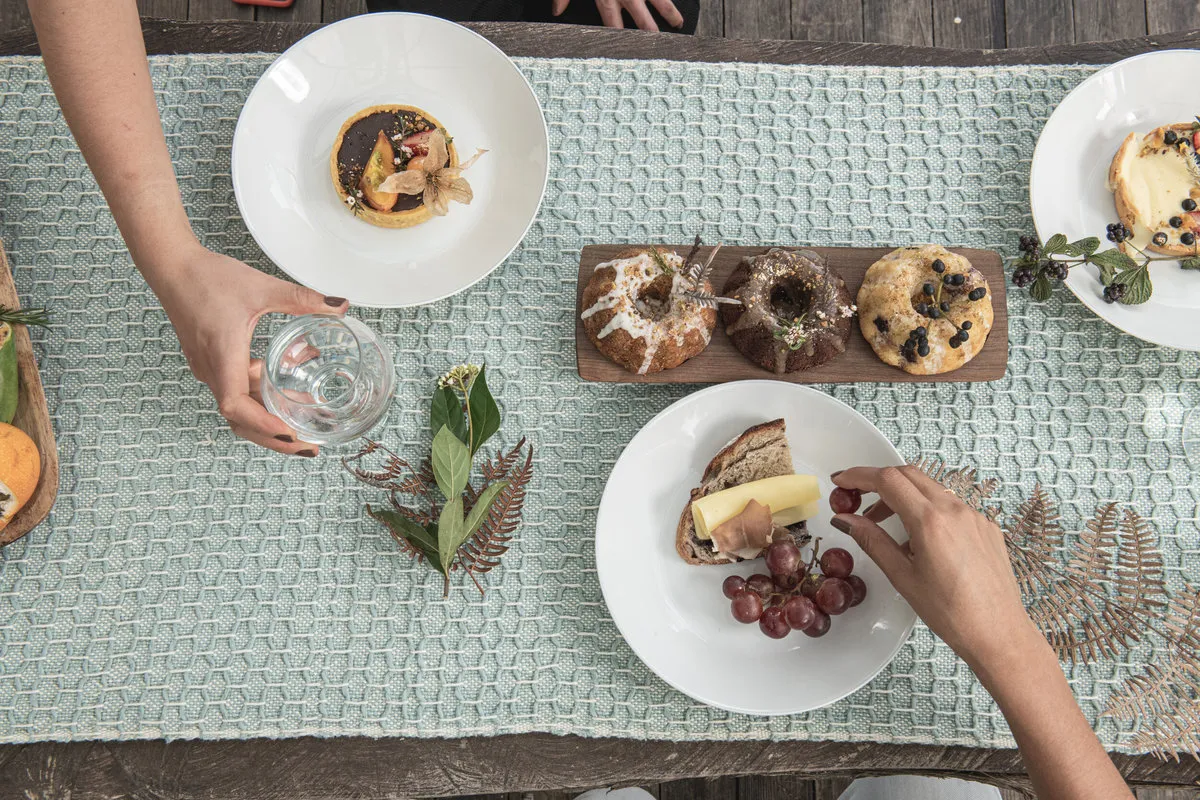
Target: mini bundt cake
925,310
795,311
637,314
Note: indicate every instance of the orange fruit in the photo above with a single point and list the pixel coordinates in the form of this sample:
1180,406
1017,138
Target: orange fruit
20,469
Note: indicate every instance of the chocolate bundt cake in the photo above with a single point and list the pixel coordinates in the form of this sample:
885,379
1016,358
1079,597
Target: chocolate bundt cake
795,311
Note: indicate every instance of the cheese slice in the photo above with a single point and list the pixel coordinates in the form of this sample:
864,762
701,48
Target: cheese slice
791,498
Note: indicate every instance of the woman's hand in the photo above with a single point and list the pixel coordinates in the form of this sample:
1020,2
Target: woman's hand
214,302
610,12
954,570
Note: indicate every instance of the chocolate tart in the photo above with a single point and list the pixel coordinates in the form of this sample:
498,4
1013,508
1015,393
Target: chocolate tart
351,154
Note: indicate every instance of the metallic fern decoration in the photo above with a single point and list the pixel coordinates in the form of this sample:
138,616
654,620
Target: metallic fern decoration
707,299
1098,594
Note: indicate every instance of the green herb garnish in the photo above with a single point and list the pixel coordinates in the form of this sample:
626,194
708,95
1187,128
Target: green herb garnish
25,316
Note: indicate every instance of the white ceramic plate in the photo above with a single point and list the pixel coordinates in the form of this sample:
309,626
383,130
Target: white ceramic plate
1067,184
291,119
674,615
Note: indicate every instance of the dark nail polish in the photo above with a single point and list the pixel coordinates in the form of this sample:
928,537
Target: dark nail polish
834,475
840,524
307,453
334,301
285,438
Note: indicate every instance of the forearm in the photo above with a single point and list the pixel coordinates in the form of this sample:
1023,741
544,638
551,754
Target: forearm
1064,758
96,61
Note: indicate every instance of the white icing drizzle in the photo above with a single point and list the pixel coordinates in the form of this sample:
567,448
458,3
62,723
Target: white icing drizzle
653,322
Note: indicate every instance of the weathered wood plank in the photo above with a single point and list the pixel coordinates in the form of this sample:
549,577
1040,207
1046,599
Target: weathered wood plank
968,23
14,14
758,19
1031,23
776,788
830,788
333,10
1168,16
712,18
212,10
298,11
827,20
1100,20
898,21
1167,794
160,9
700,789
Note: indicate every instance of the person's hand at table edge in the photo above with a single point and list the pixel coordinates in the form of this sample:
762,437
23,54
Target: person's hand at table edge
954,571
610,12
214,302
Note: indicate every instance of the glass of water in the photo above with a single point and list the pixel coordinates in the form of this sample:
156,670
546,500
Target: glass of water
329,378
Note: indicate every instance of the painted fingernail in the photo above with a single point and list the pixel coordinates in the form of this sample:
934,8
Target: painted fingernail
334,301
307,453
834,475
872,508
285,438
840,524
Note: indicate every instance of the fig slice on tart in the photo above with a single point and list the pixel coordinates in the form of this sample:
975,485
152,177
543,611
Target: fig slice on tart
380,165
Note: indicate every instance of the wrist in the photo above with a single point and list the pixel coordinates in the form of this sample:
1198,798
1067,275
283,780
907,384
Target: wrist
1011,659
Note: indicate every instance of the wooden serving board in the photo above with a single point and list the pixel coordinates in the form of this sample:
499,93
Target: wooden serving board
33,417
722,362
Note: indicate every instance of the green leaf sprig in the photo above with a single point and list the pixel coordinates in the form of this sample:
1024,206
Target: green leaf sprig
1126,278
25,316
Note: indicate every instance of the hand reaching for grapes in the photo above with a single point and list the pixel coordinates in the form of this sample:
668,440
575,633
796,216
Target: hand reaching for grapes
953,571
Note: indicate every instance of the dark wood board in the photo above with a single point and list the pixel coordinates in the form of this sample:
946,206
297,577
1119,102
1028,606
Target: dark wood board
722,362
33,417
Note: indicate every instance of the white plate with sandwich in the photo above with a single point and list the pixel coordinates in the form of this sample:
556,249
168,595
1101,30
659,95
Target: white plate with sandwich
1072,192
356,103
663,582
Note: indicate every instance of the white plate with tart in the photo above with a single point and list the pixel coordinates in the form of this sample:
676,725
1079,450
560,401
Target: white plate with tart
664,583
333,159
1102,158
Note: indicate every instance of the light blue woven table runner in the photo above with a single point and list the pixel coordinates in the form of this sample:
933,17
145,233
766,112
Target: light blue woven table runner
187,584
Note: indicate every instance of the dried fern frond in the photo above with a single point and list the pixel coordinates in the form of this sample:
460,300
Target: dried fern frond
1034,537
482,551
697,273
395,474
1182,623
707,299
1139,572
1157,690
964,482
1172,734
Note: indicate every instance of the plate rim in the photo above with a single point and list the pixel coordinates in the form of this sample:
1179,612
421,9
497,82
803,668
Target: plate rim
359,20
766,385
1090,303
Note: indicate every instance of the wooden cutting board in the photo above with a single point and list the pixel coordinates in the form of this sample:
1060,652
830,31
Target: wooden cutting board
33,417
721,361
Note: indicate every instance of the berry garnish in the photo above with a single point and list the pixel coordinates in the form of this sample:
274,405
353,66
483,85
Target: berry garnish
955,342
980,292
962,335
923,309
1175,222
938,266
1114,292
1060,271
958,279
1027,243
1023,277
966,326
845,501
927,289
935,313
1189,204
1187,238
923,349
944,306
1159,238
1170,137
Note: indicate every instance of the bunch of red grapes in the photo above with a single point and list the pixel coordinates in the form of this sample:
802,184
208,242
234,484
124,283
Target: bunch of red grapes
799,595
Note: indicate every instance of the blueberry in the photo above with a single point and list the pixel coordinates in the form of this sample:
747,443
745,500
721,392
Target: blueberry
1187,238
935,313
920,332
966,326
1170,137
978,293
1175,222
1159,239
958,280
923,349
923,309
944,306
955,342
1189,204
963,336
928,289
938,266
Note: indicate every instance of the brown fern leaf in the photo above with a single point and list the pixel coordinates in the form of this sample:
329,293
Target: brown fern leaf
493,470
1034,536
964,482
1172,734
482,552
1139,572
1156,691
1182,624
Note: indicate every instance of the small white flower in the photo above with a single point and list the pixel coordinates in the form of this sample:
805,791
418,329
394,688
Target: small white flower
464,373
396,160
349,201
358,193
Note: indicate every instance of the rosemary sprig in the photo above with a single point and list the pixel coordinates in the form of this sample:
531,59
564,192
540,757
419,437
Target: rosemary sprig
25,316
661,261
793,334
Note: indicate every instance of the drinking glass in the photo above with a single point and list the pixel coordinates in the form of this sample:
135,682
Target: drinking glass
329,378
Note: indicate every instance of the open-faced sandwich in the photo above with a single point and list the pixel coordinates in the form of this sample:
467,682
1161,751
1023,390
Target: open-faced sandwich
749,497
395,166
1155,181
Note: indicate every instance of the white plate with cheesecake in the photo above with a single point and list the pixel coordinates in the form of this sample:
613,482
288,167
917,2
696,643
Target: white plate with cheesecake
663,583
356,103
1070,193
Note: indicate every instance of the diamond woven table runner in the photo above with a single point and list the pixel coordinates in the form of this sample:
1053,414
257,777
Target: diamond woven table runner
187,584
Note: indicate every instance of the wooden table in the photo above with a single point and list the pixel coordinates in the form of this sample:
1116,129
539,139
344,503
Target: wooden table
359,767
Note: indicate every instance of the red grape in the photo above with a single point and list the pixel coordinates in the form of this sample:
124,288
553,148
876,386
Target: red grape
860,589
773,624
760,584
800,612
837,563
783,558
845,501
834,596
787,581
733,586
820,625
747,607
810,585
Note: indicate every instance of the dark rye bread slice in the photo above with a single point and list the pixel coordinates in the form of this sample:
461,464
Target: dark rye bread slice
760,452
